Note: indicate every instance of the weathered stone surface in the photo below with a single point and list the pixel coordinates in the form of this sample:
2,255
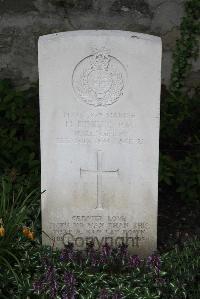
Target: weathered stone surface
193,79
155,3
19,6
167,15
167,65
6,39
128,5
169,39
21,20
74,4
99,119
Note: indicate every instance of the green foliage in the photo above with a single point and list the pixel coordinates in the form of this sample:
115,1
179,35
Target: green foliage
179,148
180,123
183,268
187,46
16,210
177,279
19,133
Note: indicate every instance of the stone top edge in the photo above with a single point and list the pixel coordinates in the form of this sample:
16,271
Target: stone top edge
79,33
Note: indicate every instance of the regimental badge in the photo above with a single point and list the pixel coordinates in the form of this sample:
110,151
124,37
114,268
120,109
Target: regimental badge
99,79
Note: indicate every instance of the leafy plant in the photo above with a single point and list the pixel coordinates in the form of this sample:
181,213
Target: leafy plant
19,133
187,47
15,212
79,275
180,123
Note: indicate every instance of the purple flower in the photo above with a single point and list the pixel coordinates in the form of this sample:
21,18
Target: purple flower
91,254
106,250
68,254
69,278
51,281
154,261
123,250
38,286
117,295
103,294
48,280
134,261
48,273
54,285
69,290
64,294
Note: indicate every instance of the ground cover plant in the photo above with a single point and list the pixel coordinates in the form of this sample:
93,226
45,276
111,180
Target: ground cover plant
29,270
109,273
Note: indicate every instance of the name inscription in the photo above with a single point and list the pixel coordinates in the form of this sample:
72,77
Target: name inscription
99,128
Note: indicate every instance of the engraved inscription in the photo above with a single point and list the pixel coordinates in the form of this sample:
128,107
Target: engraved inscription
99,172
100,229
99,128
99,79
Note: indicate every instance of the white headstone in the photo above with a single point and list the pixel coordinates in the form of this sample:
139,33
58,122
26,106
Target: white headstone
99,113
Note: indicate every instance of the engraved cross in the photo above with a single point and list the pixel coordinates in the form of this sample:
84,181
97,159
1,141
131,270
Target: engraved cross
99,173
